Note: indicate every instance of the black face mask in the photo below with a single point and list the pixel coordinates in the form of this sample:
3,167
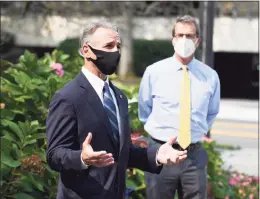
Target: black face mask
106,62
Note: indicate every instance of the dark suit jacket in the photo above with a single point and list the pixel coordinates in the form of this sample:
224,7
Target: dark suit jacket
74,111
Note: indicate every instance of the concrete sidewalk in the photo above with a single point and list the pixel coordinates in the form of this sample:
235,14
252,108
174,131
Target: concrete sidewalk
245,160
241,110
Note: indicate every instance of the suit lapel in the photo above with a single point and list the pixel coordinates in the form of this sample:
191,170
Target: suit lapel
119,98
96,104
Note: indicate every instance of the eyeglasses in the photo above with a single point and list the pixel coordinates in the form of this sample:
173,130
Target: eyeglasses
188,36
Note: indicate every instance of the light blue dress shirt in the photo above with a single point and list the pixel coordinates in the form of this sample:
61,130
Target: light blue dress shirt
159,98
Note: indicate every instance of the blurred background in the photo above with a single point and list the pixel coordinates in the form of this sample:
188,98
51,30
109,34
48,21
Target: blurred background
230,45
229,30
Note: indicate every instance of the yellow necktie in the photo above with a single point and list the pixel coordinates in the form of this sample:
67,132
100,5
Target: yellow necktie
184,138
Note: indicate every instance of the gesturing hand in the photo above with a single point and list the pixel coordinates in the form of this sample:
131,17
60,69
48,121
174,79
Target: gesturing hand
95,158
168,155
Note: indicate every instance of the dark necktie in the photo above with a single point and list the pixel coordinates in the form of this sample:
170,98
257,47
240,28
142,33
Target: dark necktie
110,109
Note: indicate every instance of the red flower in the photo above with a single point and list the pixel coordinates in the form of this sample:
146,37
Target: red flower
255,180
58,68
2,106
232,181
251,196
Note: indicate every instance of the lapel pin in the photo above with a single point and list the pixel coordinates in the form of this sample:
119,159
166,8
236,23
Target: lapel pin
121,96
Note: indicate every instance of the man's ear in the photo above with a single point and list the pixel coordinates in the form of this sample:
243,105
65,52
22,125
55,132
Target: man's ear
87,52
173,40
197,43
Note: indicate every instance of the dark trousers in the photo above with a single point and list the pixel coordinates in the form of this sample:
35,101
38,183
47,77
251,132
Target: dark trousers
188,178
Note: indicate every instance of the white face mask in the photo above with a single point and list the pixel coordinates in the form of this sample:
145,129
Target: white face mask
184,47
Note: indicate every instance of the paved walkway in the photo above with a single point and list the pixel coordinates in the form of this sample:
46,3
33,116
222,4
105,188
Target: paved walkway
241,110
244,160
245,114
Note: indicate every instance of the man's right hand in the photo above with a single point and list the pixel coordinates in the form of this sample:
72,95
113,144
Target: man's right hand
95,158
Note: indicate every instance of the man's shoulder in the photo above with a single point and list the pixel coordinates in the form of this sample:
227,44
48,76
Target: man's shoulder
205,69
159,65
69,91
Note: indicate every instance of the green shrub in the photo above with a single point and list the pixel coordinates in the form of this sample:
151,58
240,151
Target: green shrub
69,46
146,52
26,90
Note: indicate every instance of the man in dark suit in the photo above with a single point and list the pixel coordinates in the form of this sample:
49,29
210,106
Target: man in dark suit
93,165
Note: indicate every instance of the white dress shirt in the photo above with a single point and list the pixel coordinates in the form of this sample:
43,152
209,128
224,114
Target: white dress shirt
98,85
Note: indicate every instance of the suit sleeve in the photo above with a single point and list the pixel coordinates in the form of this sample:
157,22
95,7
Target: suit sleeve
144,159
61,128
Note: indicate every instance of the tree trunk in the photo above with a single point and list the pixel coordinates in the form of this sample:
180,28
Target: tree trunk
126,62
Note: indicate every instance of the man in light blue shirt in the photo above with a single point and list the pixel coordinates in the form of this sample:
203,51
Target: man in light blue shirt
159,110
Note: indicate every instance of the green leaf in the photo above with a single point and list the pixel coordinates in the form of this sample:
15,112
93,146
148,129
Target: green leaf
22,78
8,86
64,57
22,195
37,181
24,184
14,127
5,63
7,114
38,136
29,57
35,122
10,137
9,161
25,127
6,154
18,111
28,142
5,170
36,126
22,98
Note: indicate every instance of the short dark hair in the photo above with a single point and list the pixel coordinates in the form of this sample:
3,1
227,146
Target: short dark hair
187,19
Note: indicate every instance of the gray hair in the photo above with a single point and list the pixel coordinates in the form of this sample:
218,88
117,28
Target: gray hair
187,19
89,30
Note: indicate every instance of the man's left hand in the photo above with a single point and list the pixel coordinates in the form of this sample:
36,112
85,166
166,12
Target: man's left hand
168,155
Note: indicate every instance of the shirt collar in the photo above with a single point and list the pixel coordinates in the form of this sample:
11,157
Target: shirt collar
178,65
96,82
